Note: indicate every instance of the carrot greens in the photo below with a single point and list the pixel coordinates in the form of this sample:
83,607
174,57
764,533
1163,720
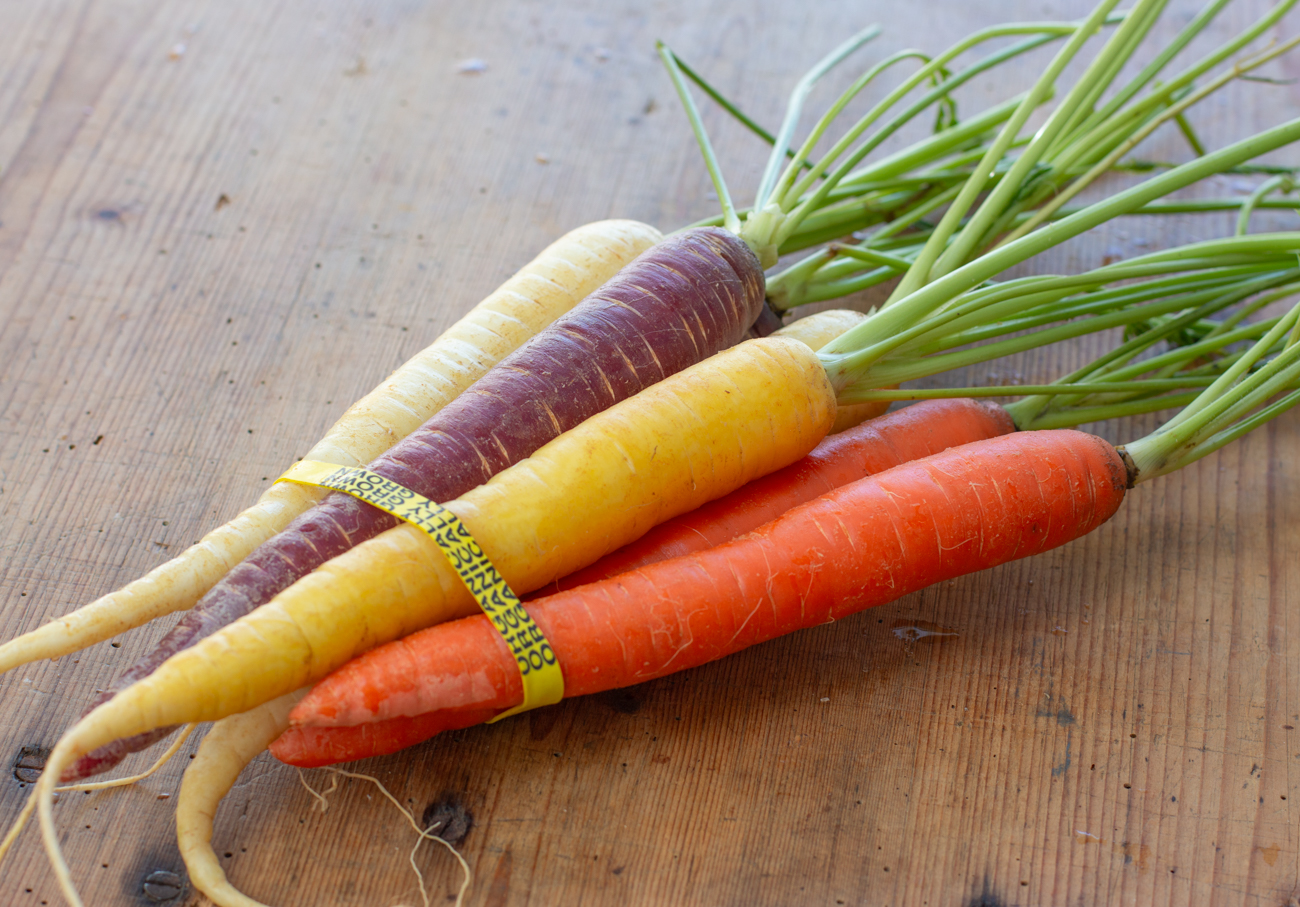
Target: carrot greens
990,192
989,322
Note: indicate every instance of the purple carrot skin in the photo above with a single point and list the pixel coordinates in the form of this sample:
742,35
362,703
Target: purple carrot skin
680,302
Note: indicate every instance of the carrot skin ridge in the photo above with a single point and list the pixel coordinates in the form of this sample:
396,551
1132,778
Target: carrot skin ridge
962,510
907,434
676,304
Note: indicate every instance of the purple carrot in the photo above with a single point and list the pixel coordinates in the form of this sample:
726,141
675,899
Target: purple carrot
680,302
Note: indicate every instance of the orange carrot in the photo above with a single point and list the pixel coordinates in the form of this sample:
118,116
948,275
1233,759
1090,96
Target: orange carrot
867,543
872,447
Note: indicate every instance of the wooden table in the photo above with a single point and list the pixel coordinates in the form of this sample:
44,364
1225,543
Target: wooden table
222,222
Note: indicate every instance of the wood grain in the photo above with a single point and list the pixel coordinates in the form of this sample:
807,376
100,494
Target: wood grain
222,222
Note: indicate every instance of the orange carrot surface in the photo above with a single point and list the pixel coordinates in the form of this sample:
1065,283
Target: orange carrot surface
867,543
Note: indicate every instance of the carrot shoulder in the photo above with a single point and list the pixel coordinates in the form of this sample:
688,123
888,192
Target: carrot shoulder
556,280
864,544
821,328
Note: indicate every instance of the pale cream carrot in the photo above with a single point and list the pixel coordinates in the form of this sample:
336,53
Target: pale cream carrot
230,745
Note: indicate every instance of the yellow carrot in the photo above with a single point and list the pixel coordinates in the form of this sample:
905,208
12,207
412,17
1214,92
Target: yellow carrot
821,328
560,277
680,443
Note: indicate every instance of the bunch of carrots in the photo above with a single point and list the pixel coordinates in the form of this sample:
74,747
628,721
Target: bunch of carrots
676,611
604,396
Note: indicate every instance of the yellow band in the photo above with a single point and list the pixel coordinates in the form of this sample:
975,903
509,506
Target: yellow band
538,667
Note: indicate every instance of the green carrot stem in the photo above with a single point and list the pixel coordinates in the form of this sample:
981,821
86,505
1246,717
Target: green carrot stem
1185,127
1156,208
1185,265
1138,396
1015,292
1108,63
883,191
784,189
722,101
1075,105
1152,462
1214,329
978,326
1274,377
1132,141
1210,292
844,171
1232,433
1111,364
1269,379
918,276
913,217
785,209
730,220
894,371
1081,415
850,215
1210,205
1123,121
1182,277
1181,354
869,255
1207,423
1104,138
1122,97
807,294
1252,201
932,148
869,395
1226,381
795,107
846,356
